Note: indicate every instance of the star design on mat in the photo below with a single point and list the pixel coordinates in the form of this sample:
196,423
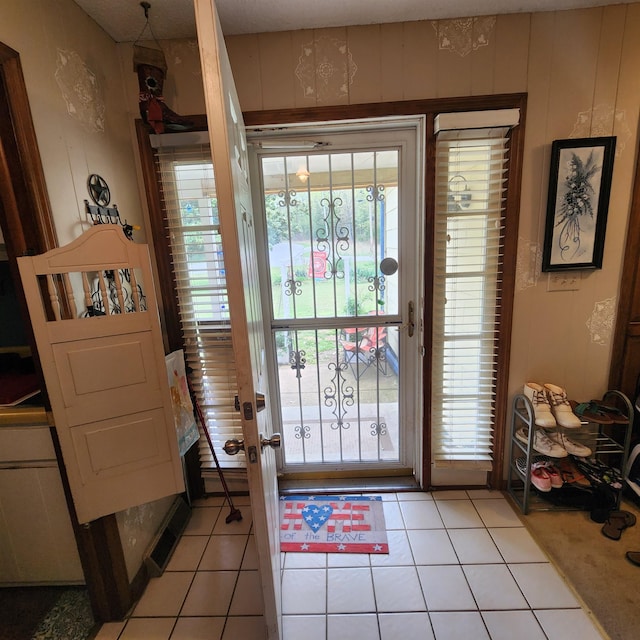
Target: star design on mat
377,547
375,498
342,498
341,547
304,547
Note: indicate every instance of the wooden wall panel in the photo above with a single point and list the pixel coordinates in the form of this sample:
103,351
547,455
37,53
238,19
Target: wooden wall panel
392,87
512,49
364,45
278,78
609,55
573,69
244,54
419,71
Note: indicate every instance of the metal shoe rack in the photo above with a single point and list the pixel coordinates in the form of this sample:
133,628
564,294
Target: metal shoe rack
610,440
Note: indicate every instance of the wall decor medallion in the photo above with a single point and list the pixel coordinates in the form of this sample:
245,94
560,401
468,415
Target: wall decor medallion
464,35
81,91
326,69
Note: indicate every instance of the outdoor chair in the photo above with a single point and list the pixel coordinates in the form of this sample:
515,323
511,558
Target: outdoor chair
367,349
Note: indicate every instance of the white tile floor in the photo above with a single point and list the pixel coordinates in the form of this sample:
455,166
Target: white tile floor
460,566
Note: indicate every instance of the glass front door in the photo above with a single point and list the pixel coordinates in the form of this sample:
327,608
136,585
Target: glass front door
335,223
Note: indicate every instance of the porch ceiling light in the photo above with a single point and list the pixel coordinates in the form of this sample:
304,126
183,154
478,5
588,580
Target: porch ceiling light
303,174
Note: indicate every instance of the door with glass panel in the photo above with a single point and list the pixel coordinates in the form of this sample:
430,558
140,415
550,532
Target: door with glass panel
342,274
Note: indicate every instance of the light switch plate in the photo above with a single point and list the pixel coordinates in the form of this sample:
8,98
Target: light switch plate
564,281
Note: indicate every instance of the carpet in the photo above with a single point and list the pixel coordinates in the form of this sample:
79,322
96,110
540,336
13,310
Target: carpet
332,524
45,613
594,565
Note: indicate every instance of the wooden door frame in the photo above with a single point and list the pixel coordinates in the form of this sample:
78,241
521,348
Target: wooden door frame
624,370
27,226
429,108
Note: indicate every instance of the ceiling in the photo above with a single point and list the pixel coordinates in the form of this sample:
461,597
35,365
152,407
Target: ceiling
124,20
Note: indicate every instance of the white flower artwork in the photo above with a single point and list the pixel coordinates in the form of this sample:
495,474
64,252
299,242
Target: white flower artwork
81,91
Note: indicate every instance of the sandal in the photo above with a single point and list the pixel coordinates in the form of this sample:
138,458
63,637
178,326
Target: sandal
616,523
592,412
613,413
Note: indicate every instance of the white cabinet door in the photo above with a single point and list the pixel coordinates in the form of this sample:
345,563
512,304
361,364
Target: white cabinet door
229,152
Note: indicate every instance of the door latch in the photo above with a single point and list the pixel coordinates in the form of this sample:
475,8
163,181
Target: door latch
411,324
247,407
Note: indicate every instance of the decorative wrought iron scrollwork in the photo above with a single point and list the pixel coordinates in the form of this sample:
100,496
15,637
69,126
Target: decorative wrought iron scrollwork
303,432
297,361
375,193
378,429
376,283
377,354
287,198
334,238
292,287
339,396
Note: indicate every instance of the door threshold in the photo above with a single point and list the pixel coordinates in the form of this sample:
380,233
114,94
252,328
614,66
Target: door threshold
348,485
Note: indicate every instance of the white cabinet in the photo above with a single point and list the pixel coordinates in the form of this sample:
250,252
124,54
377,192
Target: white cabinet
37,544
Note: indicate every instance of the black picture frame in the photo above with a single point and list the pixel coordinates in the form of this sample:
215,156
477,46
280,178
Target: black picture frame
578,203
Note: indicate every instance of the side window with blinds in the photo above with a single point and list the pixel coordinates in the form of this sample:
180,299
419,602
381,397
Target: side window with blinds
191,216
471,167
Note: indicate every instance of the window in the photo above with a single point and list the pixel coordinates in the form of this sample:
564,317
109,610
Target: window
471,169
191,218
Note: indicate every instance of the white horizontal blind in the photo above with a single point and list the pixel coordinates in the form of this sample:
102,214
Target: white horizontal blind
471,170
190,204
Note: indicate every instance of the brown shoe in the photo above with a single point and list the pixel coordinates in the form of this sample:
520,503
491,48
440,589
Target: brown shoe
633,557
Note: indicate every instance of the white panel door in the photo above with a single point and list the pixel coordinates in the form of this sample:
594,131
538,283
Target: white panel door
230,163
95,319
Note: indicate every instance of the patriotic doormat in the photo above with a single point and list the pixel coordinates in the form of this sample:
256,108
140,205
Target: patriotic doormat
333,524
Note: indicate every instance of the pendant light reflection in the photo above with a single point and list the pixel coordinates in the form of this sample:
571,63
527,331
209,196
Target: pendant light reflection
303,174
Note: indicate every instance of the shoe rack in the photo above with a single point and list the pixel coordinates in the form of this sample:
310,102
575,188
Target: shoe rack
609,442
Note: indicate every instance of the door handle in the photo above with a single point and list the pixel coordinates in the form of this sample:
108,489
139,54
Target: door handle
275,441
233,446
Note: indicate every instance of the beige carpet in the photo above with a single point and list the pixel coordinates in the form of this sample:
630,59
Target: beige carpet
594,565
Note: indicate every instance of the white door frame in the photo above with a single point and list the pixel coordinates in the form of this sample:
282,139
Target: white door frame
408,134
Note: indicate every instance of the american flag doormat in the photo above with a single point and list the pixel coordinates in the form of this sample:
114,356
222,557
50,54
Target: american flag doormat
333,524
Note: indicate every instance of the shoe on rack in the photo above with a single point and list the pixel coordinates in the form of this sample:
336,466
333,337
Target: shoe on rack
541,407
560,407
539,477
571,446
590,412
552,471
542,443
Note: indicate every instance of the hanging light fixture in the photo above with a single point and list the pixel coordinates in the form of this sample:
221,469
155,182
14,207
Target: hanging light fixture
303,174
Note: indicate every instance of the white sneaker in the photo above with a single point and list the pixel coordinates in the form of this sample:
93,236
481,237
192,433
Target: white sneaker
561,408
541,407
542,443
571,446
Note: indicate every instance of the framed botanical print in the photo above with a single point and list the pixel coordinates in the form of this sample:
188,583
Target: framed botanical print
578,203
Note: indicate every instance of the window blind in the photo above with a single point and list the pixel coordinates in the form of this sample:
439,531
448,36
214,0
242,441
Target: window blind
471,168
190,204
